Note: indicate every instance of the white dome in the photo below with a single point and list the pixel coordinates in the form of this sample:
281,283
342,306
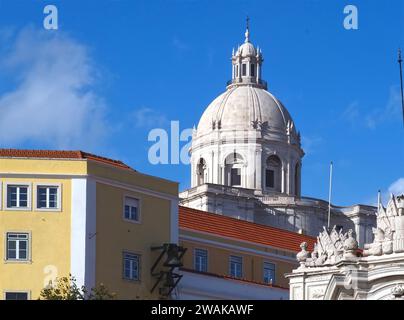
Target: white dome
244,128
247,49
245,108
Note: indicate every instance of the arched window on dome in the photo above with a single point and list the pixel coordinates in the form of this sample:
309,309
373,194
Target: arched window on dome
273,174
233,170
201,171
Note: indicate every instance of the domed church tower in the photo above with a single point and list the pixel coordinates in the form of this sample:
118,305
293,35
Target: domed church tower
246,137
246,159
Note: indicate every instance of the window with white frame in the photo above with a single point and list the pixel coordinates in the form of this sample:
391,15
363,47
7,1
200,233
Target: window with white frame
16,295
47,197
131,210
236,266
131,266
201,260
269,272
17,246
17,196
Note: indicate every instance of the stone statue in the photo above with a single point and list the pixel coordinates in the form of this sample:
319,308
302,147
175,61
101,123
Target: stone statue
303,254
375,248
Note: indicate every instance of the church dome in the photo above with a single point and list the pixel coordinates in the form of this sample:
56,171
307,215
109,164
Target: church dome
244,108
246,138
246,105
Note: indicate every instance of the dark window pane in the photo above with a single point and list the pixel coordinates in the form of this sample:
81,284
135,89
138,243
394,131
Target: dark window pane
17,246
16,296
235,177
244,69
12,197
201,260
11,254
127,214
22,254
12,244
23,245
236,267
47,197
131,209
252,70
133,213
269,272
269,178
131,266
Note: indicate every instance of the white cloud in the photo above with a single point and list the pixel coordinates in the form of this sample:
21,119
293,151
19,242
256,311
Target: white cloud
354,114
351,113
179,44
310,143
397,187
53,101
149,118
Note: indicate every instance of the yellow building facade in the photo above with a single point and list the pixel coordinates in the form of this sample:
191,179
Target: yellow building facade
70,212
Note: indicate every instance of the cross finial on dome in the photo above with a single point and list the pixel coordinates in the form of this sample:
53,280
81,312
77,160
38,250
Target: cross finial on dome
247,32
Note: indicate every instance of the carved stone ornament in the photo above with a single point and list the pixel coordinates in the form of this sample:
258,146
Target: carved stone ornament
331,247
398,291
389,233
350,246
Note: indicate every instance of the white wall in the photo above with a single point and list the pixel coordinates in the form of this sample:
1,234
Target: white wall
195,286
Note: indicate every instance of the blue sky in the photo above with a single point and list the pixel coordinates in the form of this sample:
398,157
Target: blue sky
115,69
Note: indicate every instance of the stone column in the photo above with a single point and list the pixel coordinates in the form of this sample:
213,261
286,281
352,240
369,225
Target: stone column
283,186
239,70
212,168
193,174
258,169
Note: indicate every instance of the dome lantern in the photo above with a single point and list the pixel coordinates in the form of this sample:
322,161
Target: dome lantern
246,64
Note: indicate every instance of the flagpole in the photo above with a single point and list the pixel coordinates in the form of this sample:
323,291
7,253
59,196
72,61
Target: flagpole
400,60
329,198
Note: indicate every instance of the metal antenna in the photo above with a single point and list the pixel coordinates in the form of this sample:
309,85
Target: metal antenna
329,198
400,61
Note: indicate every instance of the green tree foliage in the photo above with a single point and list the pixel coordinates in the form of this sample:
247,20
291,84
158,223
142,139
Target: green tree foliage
66,288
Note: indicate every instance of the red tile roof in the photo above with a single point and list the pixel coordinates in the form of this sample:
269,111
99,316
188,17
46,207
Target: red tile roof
202,221
60,154
226,277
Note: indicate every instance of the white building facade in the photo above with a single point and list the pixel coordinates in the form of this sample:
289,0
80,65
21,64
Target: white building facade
246,159
335,271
